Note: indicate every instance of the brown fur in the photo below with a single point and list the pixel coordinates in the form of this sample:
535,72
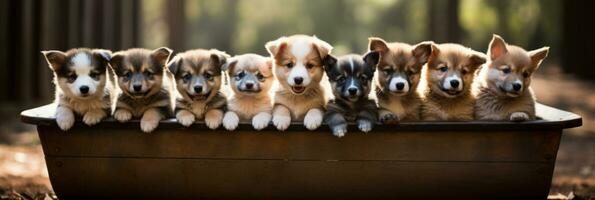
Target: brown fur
439,105
494,102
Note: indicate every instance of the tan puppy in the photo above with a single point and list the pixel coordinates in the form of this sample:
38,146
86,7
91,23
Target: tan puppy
502,87
198,82
145,90
397,78
83,85
250,79
446,87
299,69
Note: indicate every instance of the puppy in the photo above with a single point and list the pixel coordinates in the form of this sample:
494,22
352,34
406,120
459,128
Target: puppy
446,87
144,90
82,85
251,78
502,86
198,82
351,78
397,78
299,69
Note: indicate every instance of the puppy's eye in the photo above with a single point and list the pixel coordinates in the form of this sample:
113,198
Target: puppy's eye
208,76
71,78
340,79
186,78
260,77
289,65
410,72
387,71
506,70
149,74
240,75
309,66
464,71
526,74
443,68
363,78
94,75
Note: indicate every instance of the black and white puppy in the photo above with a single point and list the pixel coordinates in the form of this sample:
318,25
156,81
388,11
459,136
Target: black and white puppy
350,77
82,85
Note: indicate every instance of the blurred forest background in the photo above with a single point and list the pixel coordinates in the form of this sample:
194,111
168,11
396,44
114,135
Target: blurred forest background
241,26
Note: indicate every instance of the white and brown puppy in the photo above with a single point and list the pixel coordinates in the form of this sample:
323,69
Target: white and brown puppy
83,85
351,81
145,91
251,78
446,87
502,87
397,78
198,82
299,70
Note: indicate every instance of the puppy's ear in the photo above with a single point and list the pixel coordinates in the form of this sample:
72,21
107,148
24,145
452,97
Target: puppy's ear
104,56
117,61
230,65
497,47
161,55
324,49
538,55
372,58
218,59
55,59
422,52
435,51
377,44
476,59
276,46
174,64
329,62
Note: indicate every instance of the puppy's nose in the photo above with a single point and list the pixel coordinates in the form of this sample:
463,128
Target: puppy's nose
137,87
198,88
249,85
400,86
298,80
517,86
84,89
352,91
454,83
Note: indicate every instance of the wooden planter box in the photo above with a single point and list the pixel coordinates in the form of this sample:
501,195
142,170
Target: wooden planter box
410,160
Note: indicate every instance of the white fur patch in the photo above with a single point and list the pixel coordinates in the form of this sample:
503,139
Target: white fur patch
519,116
299,71
300,49
261,120
185,118
364,125
231,120
81,60
281,121
93,117
392,86
313,119
81,65
446,84
64,117
340,130
150,120
213,118
122,115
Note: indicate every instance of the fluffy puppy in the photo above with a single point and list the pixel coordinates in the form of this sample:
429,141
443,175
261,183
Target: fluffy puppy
251,78
299,69
351,78
145,91
446,87
502,87
398,75
198,81
82,85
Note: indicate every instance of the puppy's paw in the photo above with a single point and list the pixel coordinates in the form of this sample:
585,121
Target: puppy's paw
313,119
364,125
339,130
231,120
387,117
64,118
150,121
261,120
122,115
186,118
213,118
93,117
282,122
519,117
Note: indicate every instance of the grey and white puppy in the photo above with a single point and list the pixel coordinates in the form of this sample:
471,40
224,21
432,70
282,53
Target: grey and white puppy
350,77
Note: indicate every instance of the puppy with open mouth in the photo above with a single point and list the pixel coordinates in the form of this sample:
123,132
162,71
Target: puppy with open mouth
351,79
198,82
299,70
446,87
397,79
145,91
250,79
83,85
502,87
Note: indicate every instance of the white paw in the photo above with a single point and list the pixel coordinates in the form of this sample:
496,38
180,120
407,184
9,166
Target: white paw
185,118
313,119
340,130
261,120
364,125
122,115
150,121
519,116
92,118
282,122
64,118
231,121
213,118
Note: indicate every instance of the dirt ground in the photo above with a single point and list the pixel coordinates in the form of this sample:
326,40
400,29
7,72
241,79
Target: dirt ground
23,174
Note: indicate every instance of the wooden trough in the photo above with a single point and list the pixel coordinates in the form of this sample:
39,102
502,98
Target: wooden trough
420,160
